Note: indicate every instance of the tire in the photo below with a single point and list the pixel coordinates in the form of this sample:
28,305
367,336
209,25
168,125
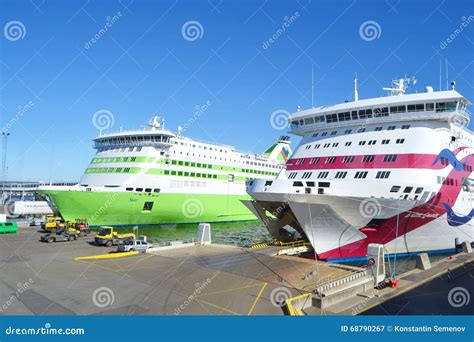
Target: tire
49,240
108,243
131,250
70,238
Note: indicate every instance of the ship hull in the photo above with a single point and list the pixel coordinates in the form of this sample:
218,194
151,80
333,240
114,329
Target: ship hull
125,208
340,227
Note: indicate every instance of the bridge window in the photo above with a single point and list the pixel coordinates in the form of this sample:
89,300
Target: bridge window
398,109
341,174
331,118
379,112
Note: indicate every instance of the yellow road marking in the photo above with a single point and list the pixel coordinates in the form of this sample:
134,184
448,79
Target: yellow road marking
107,256
219,307
230,290
256,299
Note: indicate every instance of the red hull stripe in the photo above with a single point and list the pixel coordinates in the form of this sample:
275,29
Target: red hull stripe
408,221
402,161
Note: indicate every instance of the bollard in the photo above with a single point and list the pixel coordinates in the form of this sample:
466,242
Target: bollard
423,261
204,234
466,247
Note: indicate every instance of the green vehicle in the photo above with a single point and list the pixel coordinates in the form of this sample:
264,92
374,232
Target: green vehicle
8,227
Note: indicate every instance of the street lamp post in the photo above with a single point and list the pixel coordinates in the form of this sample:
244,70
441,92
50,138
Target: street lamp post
4,164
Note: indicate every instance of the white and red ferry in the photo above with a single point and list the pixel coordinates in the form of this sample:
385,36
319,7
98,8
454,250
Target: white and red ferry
393,170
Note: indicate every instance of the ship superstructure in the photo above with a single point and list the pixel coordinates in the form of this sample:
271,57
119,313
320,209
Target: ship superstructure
393,170
155,176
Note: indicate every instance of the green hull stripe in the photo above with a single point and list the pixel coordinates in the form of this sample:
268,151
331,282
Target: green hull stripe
126,208
164,161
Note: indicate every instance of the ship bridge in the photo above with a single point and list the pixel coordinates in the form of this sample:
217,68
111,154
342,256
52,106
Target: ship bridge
153,135
442,105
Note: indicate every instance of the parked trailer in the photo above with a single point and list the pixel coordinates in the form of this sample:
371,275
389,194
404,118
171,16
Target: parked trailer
23,208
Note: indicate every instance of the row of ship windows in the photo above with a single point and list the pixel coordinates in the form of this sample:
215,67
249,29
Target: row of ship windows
247,162
141,190
199,146
210,166
139,148
340,175
394,189
360,130
369,113
121,149
361,143
348,159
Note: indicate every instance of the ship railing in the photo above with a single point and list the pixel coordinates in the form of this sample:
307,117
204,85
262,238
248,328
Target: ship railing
335,280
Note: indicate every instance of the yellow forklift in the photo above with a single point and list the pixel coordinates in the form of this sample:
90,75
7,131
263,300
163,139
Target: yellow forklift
79,226
53,224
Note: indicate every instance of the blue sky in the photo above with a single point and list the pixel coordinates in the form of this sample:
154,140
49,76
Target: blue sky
143,64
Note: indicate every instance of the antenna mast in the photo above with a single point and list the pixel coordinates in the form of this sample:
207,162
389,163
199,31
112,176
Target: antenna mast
312,86
440,72
356,92
446,62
